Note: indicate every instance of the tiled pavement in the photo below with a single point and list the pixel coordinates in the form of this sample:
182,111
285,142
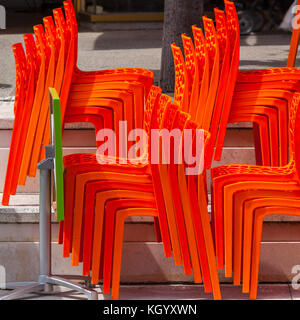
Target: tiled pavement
175,292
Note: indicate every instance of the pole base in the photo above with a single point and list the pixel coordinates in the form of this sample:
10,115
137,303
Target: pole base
43,285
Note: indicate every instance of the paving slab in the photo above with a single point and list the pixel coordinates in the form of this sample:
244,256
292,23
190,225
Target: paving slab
169,292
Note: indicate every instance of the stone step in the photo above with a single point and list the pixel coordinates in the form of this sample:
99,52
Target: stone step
24,208
142,262
244,155
157,291
80,137
141,230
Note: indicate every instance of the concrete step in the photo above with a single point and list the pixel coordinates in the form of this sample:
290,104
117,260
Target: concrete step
238,149
142,262
143,257
173,292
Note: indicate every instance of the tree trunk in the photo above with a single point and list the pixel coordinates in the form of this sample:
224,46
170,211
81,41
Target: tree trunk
179,16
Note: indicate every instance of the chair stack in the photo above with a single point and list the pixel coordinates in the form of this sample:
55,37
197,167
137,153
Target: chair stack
164,175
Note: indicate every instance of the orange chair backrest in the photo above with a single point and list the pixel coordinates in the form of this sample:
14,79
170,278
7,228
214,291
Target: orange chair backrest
234,47
214,69
294,39
192,74
203,69
71,58
70,13
152,101
233,30
61,46
181,79
43,54
32,70
43,127
33,62
224,47
20,93
159,110
21,75
222,34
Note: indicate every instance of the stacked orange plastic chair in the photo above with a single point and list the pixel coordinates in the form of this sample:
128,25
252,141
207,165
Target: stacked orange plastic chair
203,226
123,91
263,92
105,221
212,87
233,185
85,167
197,76
249,194
177,244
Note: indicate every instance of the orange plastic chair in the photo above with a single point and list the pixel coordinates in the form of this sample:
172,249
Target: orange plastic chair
93,188
233,26
224,49
266,193
186,83
168,115
280,102
268,133
49,81
239,199
234,40
212,86
292,208
181,79
67,192
22,74
262,79
181,91
61,41
183,217
214,67
203,69
226,182
91,204
157,118
251,206
37,145
208,69
192,70
85,95
40,93
97,224
177,228
191,214
199,206
79,167
122,214
264,202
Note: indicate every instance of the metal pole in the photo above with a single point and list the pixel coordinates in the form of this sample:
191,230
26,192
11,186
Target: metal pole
45,222
45,225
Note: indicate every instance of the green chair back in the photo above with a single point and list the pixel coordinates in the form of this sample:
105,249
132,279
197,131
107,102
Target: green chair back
56,142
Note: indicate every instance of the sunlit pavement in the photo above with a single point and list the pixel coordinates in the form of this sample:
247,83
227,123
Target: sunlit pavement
175,292
138,47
